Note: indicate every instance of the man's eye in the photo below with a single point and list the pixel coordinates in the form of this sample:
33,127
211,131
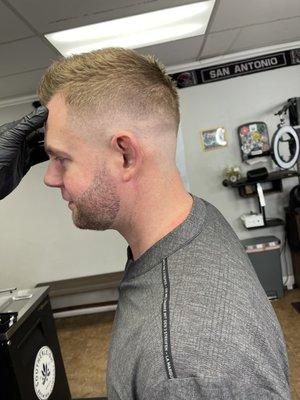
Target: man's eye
61,160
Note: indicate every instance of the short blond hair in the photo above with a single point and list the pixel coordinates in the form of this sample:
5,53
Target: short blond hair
114,79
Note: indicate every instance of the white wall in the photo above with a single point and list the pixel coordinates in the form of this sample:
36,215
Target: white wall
38,241
230,103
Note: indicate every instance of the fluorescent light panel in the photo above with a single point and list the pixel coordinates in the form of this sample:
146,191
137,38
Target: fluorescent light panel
136,31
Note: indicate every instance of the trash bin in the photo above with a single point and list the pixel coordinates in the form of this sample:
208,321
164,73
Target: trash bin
264,253
31,365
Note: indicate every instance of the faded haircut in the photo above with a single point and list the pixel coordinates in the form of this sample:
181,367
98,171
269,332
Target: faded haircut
113,81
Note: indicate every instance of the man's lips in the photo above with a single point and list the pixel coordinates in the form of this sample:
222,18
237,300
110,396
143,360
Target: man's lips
65,198
71,205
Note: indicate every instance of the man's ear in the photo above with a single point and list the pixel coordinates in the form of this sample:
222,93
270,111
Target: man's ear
129,149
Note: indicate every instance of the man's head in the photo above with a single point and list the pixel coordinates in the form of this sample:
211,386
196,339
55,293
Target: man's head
114,82
113,119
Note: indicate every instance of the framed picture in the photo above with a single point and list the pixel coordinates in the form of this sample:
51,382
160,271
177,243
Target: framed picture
213,138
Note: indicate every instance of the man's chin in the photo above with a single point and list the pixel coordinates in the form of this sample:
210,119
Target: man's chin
87,223
79,222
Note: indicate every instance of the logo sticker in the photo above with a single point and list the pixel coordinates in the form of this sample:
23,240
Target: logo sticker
44,373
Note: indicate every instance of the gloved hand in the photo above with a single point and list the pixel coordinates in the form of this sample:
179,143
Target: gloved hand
21,147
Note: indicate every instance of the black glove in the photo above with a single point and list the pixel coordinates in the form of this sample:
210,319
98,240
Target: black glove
21,147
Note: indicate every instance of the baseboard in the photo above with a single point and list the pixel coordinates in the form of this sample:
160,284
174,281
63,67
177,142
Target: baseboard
84,311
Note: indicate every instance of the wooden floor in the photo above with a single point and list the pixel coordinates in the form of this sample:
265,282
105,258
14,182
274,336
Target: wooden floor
85,340
289,319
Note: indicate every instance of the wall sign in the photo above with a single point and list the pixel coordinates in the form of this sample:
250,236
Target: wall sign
237,68
213,138
44,373
254,140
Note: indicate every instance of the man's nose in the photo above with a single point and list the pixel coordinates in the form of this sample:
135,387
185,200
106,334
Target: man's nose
53,176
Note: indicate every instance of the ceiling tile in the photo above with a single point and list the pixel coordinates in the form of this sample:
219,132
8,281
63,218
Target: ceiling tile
244,24
236,13
218,43
20,85
176,52
55,15
11,27
24,55
287,30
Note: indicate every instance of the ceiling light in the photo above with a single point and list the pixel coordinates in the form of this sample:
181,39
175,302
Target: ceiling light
136,31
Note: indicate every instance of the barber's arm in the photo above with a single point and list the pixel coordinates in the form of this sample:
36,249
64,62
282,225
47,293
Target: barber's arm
21,147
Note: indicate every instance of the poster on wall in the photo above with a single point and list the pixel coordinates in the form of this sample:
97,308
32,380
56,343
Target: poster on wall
213,138
254,140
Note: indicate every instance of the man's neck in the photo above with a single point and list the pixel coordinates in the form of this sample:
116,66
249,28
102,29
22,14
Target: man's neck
156,214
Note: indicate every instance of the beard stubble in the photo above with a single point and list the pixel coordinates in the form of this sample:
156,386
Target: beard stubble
98,206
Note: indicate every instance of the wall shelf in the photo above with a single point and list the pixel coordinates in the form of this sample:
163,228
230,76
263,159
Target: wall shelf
269,224
248,188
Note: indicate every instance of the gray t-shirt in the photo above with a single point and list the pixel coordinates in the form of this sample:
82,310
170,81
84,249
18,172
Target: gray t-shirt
193,321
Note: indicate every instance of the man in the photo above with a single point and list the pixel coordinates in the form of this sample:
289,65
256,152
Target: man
192,322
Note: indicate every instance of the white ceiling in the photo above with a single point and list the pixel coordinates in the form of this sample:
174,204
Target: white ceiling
235,25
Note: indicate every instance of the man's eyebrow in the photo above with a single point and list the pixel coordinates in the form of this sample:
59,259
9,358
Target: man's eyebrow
51,151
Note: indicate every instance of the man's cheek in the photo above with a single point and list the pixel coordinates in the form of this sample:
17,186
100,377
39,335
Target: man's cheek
77,192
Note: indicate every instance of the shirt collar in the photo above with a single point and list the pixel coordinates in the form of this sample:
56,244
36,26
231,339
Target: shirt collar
170,243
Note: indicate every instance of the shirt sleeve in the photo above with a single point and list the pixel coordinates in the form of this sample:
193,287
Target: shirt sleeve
194,388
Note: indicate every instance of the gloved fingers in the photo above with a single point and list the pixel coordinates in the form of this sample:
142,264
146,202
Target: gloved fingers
36,137
6,127
6,185
35,147
16,155
31,122
37,154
